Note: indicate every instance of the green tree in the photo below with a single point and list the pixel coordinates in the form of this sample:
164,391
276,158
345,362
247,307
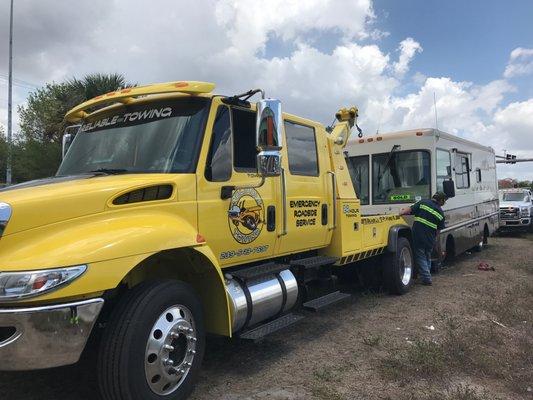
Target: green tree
37,153
42,118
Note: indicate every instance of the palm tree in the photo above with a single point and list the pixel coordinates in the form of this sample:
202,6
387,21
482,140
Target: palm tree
93,85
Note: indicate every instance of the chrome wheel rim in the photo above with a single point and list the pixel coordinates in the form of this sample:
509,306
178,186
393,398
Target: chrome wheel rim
170,350
406,266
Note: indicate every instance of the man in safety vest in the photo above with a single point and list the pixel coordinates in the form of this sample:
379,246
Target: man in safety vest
429,218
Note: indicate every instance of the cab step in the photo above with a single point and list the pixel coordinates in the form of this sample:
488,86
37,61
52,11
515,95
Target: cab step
271,327
314,262
259,270
325,301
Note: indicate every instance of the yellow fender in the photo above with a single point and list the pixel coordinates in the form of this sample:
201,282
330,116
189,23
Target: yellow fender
112,245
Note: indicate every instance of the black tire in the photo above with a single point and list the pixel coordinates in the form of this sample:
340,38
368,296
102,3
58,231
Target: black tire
122,354
398,268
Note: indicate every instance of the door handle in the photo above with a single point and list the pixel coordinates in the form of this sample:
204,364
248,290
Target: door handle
271,218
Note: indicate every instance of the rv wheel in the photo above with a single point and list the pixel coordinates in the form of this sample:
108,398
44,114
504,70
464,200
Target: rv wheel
153,346
398,269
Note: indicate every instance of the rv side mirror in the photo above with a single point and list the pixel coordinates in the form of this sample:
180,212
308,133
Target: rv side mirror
268,139
68,137
449,188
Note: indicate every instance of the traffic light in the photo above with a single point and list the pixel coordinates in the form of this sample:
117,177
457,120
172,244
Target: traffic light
510,158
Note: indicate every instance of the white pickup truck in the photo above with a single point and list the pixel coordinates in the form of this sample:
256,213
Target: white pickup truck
516,209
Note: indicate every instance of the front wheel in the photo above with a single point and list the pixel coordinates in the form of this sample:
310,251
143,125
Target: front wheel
154,344
398,269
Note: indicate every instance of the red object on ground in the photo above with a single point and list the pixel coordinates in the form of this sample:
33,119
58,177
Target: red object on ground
483,266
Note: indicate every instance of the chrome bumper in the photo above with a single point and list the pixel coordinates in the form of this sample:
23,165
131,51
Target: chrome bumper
45,337
515,223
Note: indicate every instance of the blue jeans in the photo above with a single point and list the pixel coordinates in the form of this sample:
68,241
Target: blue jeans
423,261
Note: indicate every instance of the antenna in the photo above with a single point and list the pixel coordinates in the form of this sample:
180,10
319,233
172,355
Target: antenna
379,120
435,105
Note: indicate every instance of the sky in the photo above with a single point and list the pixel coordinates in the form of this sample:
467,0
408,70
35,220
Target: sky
388,57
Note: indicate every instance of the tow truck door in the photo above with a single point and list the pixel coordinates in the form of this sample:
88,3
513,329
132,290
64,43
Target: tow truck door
236,215
307,208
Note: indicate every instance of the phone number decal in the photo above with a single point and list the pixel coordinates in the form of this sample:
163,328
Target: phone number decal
243,252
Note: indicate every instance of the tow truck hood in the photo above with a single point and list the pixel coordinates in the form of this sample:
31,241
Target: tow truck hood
48,201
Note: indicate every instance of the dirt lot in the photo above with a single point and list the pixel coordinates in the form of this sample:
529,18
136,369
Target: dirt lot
468,337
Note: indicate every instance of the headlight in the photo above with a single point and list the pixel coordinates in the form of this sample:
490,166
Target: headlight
18,285
5,215
524,212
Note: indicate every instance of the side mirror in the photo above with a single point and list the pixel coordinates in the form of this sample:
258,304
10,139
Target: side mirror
68,138
268,138
449,188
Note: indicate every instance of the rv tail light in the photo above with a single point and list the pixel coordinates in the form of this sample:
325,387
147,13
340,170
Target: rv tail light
419,133
361,140
369,140
379,138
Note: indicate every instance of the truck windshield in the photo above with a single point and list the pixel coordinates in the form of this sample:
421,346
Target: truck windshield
155,137
400,177
514,196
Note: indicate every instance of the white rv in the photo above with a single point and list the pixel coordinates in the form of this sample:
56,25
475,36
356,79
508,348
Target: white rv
393,170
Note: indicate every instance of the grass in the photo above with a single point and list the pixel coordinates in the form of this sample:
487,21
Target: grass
459,392
475,344
372,340
322,392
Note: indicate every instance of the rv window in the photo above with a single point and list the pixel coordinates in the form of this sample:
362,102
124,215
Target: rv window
443,168
462,171
400,177
244,152
359,172
301,149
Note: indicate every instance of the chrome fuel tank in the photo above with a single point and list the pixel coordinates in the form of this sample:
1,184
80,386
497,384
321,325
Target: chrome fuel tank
261,298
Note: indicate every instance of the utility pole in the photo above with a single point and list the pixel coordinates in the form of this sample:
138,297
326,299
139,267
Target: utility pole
10,99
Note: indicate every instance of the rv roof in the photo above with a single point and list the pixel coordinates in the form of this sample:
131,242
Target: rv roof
418,132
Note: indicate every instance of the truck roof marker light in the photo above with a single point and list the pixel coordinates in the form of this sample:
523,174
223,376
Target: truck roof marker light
126,90
111,94
181,84
200,238
419,133
361,140
370,139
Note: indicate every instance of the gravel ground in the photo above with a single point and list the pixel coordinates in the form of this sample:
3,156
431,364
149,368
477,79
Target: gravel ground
469,337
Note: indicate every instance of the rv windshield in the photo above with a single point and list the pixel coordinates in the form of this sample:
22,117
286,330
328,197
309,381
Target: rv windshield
154,137
400,177
514,196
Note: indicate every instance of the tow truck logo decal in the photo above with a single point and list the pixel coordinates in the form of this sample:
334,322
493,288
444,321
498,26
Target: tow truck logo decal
245,215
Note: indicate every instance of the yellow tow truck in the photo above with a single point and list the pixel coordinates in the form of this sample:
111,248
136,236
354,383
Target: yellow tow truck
177,213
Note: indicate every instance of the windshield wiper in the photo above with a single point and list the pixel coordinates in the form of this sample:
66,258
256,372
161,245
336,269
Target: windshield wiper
109,171
396,147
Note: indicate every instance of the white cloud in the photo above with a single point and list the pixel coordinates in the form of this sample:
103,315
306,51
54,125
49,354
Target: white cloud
520,63
224,41
408,48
